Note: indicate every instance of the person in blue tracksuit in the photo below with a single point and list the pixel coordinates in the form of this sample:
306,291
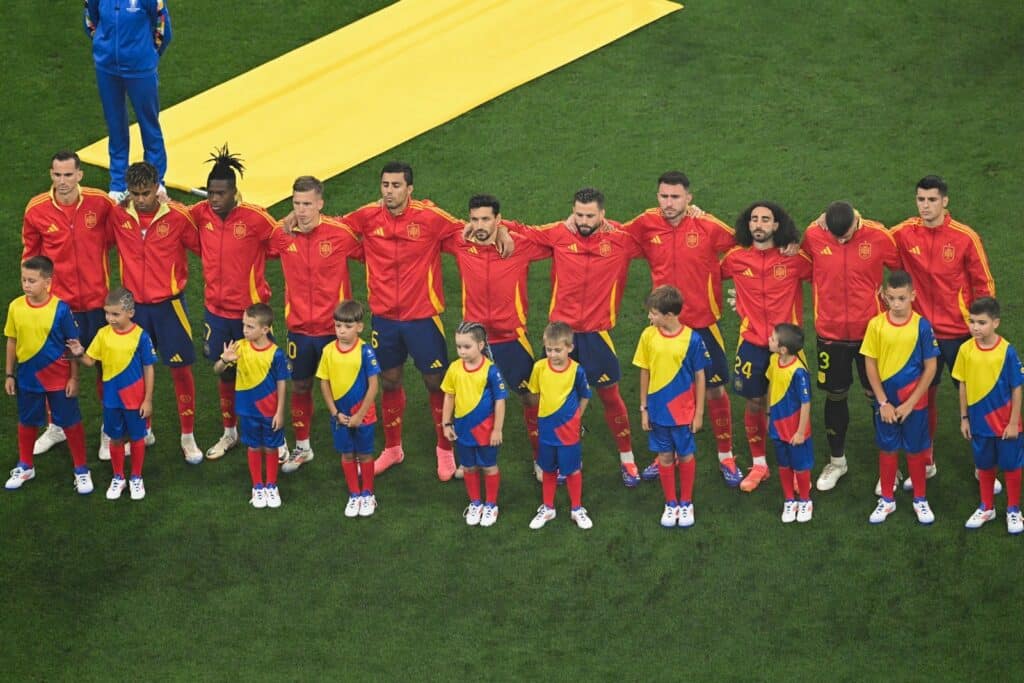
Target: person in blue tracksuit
128,38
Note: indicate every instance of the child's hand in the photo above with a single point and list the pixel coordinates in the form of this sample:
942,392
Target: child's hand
449,433
75,347
146,409
887,413
71,388
1011,432
278,422
902,410
965,429
495,437
698,422
342,418
798,439
9,386
355,420
645,422
230,353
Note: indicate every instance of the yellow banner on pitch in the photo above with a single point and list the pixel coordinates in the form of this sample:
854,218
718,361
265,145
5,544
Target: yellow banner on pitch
369,86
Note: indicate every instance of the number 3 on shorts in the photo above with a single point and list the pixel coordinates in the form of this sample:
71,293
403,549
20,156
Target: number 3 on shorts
823,360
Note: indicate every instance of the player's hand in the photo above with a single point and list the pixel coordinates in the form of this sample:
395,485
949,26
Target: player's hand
289,222
495,437
887,413
230,352
146,409
355,420
1011,432
645,422
71,388
503,241
698,422
75,347
449,433
693,211
902,410
730,298
820,222
791,249
570,223
10,387
965,429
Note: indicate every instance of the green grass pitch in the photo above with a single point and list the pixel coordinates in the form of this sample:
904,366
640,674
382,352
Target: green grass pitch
803,102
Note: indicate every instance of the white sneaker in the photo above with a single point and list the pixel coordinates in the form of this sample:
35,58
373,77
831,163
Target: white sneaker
538,472
804,511
1014,521
884,509
490,515
104,452
670,515
352,506
878,484
789,511
193,456
19,475
367,504
830,476
116,488
50,437
686,519
923,511
929,472
150,438
299,456
136,488
225,443
273,496
473,513
83,483
978,519
543,516
259,497
580,517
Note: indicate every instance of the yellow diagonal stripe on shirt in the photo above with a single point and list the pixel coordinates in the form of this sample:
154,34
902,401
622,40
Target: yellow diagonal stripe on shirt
369,86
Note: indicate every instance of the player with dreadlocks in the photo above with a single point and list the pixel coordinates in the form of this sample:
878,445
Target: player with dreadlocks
234,238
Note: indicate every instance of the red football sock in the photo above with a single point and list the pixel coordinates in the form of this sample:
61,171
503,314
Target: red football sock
392,405
667,474
472,481
117,458
256,466
271,460
76,444
302,414
616,416
26,442
916,463
887,466
986,487
548,487
185,395
227,404
530,419
687,472
786,479
756,424
1012,478
721,421
436,405
803,482
351,470
368,476
138,456
574,485
491,484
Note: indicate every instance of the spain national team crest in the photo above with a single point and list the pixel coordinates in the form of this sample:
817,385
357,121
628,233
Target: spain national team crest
948,253
90,219
239,231
692,240
605,248
864,250
162,229
779,272
324,248
413,231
